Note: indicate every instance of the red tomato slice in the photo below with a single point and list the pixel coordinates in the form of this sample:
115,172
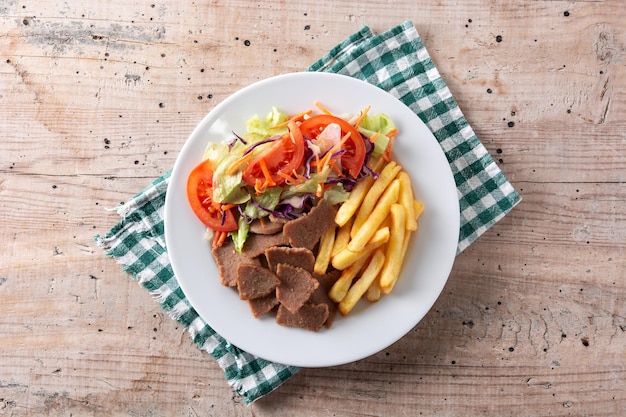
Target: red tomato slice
353,159
281,156
200,196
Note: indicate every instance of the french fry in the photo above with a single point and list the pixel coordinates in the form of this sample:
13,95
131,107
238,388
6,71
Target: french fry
359,288
347,257
419,208
387,175
340,288
383,212
394,255
376,218
349,208
406,199
352,204
323,255
405,245
342,237
373,292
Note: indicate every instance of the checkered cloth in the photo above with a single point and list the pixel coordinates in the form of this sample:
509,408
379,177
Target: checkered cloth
395,61
398,62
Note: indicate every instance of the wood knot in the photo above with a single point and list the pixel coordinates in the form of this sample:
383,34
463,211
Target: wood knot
607,48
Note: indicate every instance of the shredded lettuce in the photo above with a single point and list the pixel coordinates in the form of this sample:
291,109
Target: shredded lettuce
287,200
215,152
260,128
308,187
336,195
378,123
240,235
227,188
268,200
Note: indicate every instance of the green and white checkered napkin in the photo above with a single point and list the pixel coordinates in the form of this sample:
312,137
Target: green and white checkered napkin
397,62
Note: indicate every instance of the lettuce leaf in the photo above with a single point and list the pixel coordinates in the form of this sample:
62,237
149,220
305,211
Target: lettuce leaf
269,200
261,127
336,195
240,235
378,123
228,188
308,187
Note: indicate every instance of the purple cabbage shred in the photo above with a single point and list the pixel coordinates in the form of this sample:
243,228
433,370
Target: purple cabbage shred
253,146
234,140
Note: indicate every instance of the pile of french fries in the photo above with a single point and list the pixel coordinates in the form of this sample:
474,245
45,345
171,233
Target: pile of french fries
370,242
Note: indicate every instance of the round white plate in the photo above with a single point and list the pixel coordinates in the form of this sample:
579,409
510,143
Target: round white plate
369,328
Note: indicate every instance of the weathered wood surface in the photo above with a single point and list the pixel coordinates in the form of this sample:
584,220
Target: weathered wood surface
96,99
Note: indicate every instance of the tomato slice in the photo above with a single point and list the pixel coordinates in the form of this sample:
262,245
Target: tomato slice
352,160
281,156
200,196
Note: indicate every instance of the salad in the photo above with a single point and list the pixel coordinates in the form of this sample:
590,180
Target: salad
282,165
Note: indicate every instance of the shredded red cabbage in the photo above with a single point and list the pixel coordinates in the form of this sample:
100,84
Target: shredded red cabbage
309,155
277,213
365,170
338,153
247,219
234,140
290,212
347,183
253,146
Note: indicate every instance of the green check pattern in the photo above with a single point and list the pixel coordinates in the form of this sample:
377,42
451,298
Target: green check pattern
397,62
138,244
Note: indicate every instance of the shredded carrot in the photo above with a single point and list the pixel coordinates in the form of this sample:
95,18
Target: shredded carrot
262,220
321,164
223,238
335,168
299,176
387,153
219,238
322,108
258,186
294,118
242,161
374,137
294,178
361,117
269,182
289,179
324,161
228,206
317,161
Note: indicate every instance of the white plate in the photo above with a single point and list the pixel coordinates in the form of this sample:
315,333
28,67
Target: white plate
369,328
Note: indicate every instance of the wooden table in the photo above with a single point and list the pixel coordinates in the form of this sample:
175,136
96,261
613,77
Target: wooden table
97,98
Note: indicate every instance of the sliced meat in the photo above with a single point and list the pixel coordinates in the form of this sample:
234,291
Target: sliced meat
310,317
307,230
277,219
301,257
255,281
328,279
266,227
295,288
256,244
228,260
320,295
263,305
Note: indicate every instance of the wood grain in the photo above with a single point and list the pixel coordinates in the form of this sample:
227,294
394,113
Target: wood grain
97,98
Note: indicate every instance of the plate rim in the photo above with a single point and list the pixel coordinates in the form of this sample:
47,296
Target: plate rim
202,125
